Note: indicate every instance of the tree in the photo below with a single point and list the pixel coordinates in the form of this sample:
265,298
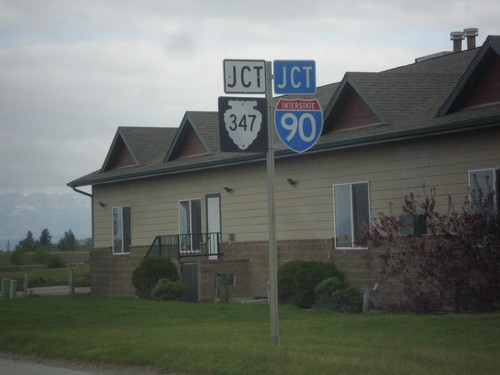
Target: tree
68,242
86,243
45,238
28,243
456,263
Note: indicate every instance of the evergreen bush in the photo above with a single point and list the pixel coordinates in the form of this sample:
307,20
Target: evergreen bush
338,295
168,290
298,279
150,270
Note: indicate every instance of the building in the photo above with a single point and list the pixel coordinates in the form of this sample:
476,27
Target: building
171,191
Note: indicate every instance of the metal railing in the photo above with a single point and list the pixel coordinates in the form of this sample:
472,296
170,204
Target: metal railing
185,245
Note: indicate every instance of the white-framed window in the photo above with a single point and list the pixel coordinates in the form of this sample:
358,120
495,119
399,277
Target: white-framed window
483,183
351,211
190,233
122,229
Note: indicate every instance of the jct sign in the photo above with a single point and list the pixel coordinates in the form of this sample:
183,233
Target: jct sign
245,76
294,76
298,123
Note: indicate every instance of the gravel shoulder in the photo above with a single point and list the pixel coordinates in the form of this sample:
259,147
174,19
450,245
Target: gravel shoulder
29,364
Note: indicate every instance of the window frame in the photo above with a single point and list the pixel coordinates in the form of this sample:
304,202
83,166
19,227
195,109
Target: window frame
124,227
495,172
352,211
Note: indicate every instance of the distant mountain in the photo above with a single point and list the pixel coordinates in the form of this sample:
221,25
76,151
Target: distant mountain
57,212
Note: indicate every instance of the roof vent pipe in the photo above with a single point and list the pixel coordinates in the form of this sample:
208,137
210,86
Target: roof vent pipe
457,37
471,34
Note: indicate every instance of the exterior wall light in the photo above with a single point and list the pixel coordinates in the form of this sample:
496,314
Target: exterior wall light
292,182
228,189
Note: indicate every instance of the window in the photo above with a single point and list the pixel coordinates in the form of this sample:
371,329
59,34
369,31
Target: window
351,214
190,236
122,237
482,183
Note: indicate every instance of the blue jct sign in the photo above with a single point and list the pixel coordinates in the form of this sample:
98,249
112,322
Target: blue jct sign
294,76
298,123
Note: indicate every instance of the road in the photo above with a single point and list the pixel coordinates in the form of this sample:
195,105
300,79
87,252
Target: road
54,291
16,367
16,364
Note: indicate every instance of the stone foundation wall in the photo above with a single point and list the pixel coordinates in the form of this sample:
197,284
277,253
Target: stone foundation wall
235,270
361,266
257,254
362,269
111,275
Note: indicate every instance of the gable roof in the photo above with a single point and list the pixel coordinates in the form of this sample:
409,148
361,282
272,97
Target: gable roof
471,77
344,94
405,100
189,131
140,143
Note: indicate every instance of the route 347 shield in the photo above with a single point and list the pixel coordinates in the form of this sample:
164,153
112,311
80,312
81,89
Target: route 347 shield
243,124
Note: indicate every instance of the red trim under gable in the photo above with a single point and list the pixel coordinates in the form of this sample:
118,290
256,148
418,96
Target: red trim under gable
123,157
192,145
354,113
487,89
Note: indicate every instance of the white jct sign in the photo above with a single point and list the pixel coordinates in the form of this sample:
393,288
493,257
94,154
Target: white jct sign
244,76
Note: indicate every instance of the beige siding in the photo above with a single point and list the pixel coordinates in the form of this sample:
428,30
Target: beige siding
304,211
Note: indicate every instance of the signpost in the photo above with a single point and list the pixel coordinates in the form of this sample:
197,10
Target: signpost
273,255
242,124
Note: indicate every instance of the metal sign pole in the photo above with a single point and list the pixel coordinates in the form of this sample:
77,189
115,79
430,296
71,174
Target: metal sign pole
273,258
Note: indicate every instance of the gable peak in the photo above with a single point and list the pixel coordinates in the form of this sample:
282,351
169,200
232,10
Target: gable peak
187,142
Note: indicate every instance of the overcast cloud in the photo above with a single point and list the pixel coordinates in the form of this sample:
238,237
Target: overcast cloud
71,72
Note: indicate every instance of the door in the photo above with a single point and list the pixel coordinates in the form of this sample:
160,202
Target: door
213,224
189,276
190,236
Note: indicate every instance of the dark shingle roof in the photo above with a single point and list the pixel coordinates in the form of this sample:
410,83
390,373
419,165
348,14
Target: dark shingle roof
146,142
409,100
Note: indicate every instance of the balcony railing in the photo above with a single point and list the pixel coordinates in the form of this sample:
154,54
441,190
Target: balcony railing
185,245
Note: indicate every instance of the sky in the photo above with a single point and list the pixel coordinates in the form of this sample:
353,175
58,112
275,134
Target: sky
72,72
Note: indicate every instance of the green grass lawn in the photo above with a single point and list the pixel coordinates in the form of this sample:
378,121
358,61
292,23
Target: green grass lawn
40,276
234,338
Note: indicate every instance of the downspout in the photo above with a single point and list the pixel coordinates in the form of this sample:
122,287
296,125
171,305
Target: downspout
82,192
91,208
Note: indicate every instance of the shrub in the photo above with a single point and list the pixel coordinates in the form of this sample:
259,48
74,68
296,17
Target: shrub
55,261
38,281
21,256
150,270
44,256
41,255
298,279
455,264
168,290
338,295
